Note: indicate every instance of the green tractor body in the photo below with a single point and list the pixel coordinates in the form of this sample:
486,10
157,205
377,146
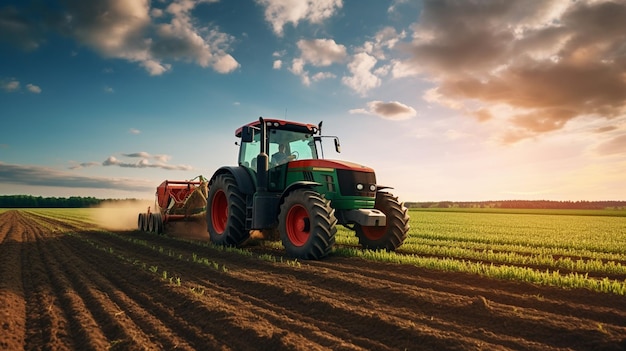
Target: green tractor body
283,184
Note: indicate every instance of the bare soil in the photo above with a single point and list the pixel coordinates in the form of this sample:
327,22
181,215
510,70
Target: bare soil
64,287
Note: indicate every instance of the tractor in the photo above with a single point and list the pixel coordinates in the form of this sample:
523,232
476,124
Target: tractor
284,188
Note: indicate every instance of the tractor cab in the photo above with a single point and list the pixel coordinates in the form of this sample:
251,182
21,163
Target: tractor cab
285,142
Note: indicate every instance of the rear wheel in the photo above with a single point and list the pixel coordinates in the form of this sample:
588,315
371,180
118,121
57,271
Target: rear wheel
390,236
307,225
225,213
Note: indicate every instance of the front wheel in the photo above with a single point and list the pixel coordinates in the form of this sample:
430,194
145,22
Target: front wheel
390,236
226,212
307,225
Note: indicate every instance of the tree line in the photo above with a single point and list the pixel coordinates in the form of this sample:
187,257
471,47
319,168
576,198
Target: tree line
523,204
29,201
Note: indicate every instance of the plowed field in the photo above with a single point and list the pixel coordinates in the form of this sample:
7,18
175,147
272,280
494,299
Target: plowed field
64,285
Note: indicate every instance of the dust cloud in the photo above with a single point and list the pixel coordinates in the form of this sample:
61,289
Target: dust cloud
120,214
194,228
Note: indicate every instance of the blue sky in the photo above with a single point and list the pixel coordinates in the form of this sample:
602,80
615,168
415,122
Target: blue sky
446,100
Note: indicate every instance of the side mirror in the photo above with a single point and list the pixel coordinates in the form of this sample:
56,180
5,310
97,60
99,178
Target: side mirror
247,134
337,145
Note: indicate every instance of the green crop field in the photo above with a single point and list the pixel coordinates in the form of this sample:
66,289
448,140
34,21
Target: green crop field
564,248
561,248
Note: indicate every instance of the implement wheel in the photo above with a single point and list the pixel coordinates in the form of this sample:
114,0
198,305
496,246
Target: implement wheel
390,236
142,222
155,223
141,219
226,212
307,225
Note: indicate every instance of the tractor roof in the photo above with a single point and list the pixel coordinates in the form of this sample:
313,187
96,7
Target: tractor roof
284,125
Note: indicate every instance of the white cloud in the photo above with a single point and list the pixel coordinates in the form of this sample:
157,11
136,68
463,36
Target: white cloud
280,12
134,131
43,176
362,79
277,64
11,86
225,63
297,68
108,90
33,88
154,67
321,52
181,39
144,162
549,62
384,40
132,31
393,110
322,75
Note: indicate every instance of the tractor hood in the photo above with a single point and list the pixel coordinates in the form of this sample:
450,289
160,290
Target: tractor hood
328,164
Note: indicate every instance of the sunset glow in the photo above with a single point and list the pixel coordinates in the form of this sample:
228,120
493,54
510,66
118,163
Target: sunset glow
446,100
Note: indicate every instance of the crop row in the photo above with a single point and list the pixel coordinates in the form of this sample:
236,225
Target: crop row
504,246
560,250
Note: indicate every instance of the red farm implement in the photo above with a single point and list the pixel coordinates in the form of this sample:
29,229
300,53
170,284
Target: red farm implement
176,200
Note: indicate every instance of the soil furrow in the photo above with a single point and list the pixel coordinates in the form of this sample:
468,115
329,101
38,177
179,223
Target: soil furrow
46,322
66,284
12,302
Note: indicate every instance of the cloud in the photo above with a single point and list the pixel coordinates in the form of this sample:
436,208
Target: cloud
384,40
84,165
10,86
321,52
43,176
144,162
128,30
616,145
318,53
322,75
134,131
181,39
19,29
280,12
548,62
392,110
143,154
13,85
33,88
362,79
108,90
277,64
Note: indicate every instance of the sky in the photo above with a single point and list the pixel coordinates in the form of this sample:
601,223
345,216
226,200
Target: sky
446,100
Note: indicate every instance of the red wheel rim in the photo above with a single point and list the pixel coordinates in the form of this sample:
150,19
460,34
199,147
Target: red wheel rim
219,211
374,233
298,225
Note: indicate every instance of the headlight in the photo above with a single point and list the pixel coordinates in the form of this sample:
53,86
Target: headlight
373,187
359,187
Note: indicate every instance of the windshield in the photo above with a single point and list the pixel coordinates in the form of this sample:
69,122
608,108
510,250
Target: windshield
287,146
284,146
